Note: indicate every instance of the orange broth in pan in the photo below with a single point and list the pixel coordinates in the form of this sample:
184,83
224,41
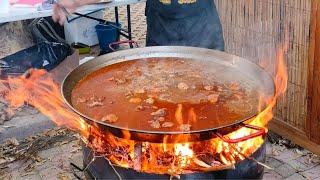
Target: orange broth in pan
164,94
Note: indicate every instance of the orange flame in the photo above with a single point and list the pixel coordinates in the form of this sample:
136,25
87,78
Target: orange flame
178,114
262,119
192,116
40,91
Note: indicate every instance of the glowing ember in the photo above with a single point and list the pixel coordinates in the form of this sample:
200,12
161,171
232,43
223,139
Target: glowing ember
184,152
40,91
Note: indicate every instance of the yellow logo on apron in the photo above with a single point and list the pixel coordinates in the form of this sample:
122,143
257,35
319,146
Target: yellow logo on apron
179,1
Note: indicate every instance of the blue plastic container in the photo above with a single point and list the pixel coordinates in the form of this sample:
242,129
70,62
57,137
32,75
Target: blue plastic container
106,35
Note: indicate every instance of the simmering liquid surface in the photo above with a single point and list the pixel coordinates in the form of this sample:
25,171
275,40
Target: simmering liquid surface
165,94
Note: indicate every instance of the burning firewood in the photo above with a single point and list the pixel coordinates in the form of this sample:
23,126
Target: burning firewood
165,159
201,163
137,156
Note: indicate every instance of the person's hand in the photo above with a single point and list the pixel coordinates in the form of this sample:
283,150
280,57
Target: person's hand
59,15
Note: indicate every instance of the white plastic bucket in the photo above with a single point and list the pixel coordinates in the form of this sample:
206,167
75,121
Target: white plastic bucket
82,30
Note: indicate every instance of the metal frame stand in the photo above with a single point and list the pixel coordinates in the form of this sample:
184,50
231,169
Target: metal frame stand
122,32
128,33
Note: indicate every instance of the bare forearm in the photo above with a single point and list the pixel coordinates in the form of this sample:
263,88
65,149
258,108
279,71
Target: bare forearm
70,5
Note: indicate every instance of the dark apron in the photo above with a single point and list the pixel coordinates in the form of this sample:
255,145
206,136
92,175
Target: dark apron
195,24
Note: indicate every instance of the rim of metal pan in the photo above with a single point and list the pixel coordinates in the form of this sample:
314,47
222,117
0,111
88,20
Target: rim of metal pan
248,67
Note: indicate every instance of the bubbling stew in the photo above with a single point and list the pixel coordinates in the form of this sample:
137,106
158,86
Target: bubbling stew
165,94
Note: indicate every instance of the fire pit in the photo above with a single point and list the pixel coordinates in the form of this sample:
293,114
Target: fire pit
100,168
185,112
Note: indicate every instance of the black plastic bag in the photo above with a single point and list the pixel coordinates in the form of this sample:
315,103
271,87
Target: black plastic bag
45,55
44,29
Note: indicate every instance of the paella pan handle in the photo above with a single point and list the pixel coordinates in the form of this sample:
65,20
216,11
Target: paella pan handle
259,132
130,42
